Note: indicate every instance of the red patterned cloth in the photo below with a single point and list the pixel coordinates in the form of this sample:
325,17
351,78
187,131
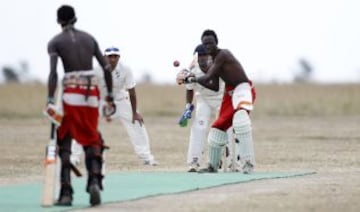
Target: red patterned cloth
81,114
227,110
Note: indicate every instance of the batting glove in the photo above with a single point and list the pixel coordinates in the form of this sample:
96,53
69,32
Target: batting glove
186,115
109,108
182,77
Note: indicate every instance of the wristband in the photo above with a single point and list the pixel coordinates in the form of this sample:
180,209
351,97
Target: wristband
193,79
190,80
109,97
188,106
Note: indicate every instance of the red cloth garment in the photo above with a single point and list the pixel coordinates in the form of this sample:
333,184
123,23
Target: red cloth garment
226,113
81,115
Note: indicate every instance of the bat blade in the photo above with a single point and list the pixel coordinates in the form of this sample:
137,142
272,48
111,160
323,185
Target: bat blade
49,190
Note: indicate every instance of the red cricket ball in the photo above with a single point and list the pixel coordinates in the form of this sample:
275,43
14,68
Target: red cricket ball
176,63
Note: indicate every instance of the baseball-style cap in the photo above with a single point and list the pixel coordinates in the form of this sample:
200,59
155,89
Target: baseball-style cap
112,51
200,50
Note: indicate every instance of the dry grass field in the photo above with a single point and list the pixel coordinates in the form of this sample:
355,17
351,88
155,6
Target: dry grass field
295,127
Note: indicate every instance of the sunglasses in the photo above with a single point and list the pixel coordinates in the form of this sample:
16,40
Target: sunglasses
112,49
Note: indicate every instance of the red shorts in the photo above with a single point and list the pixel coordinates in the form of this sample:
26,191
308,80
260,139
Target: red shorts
80,119
227,111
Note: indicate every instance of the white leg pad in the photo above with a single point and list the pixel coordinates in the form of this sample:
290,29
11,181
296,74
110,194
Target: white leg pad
243,133
217,140
76,152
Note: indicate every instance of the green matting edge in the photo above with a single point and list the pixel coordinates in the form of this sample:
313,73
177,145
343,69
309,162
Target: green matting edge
129,186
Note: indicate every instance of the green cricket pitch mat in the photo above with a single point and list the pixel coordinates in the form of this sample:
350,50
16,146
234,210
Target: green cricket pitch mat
127,186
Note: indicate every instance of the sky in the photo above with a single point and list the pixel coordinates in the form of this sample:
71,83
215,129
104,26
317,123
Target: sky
267,37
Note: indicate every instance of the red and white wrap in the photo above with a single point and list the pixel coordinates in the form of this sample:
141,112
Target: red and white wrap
81,98
243,96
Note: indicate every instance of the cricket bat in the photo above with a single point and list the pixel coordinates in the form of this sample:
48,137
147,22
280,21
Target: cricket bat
49,186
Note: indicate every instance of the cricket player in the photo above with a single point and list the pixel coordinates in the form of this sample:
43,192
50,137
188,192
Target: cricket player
126,105
236,104
207,106
80,102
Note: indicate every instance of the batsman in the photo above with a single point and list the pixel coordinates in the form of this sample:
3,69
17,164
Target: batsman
237,102
80,102
207,105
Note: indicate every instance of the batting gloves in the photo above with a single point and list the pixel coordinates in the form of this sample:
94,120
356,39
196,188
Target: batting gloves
186,115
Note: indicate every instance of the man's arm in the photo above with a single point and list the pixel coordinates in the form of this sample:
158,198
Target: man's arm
210,83
211,79
106,69
133,101
53,77
189,96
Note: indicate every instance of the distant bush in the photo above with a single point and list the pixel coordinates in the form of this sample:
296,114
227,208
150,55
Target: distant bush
28,100
10,74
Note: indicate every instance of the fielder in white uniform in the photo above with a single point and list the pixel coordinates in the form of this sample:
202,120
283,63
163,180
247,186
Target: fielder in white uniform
126,106
207,106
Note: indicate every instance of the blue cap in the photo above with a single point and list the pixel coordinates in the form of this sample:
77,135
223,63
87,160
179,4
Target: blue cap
200,50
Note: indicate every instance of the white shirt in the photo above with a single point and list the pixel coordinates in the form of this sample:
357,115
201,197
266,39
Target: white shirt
201,90
123,80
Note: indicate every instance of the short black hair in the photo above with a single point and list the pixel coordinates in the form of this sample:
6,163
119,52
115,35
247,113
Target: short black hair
200,50
210,32
66,15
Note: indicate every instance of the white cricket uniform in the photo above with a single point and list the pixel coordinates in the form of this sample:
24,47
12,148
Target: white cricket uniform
208,103
123,80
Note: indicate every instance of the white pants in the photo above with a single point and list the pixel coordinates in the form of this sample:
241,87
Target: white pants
138,134
205,109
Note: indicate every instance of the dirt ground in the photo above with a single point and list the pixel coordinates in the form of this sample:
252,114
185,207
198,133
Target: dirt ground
330,146
316,129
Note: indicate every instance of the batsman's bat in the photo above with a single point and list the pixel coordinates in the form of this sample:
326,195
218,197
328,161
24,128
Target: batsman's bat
51,187
49,191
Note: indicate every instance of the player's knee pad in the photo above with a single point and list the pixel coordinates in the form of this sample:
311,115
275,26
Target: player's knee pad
243,134
241,122
217,137
217,140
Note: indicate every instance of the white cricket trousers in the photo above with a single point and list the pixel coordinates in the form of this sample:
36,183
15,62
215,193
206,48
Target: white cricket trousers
138,134
205,109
